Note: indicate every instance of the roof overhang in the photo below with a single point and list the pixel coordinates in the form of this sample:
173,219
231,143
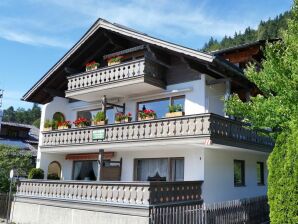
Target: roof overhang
135,35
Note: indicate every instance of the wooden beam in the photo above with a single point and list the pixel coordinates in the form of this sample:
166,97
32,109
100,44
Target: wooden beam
54,92
154,57
216,81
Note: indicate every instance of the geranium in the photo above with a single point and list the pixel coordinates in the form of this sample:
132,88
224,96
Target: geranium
64,124
119,116
146,113
81,121
115,59
91,65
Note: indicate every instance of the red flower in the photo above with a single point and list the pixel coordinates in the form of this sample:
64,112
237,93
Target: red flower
63,123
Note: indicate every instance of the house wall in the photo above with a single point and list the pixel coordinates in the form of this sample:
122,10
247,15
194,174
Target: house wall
215,99
219,175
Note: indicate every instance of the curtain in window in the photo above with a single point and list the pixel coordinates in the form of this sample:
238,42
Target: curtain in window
151,167
77,170
178,169
95,168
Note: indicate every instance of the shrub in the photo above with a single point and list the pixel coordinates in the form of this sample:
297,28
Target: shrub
175,108
36,173
53,176
283,178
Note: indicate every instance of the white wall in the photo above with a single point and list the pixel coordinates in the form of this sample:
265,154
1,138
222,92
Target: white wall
66,165
219,175
214,98
193,161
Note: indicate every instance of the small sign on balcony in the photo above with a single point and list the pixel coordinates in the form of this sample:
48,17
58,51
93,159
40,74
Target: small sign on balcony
98,134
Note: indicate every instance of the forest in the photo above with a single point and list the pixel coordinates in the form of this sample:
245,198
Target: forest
266,30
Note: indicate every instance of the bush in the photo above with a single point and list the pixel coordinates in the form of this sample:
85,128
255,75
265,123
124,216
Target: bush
36,173
283,178
53,176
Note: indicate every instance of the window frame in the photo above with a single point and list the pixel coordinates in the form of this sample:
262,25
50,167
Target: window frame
242,164
170,175
73,167
170,102
262,174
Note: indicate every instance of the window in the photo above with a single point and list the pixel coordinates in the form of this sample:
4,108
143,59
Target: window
85,170
89,114
160,169
161,106
260,173
239,173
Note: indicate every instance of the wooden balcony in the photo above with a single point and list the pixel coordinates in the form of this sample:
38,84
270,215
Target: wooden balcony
212,127
114,193
129,78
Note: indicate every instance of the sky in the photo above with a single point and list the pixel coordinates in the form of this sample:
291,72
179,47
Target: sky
35,34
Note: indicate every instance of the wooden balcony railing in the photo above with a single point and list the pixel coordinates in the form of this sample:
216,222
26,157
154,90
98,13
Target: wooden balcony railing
192,126
116,73
116,193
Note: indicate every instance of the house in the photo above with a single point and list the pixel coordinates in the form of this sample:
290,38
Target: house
22,136
160,136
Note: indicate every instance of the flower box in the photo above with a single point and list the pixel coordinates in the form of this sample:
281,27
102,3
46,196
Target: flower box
91,68
114,63
63,127
98,123
48,129
93,65
147,118
175,114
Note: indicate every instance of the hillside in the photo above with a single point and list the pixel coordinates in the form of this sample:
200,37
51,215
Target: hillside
266,30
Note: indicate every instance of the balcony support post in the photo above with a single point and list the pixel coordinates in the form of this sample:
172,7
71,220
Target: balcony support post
104,104
228,91
100,164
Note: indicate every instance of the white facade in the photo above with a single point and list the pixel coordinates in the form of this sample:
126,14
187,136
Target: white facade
212,164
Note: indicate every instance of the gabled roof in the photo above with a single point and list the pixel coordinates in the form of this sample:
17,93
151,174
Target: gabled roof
130,33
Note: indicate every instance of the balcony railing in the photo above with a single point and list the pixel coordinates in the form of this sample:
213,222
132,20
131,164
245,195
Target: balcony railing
116,73
193,126
116,193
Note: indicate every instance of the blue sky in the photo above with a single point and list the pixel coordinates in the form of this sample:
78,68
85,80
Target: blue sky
34,34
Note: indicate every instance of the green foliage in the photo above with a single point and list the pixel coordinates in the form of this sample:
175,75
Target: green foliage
12,158
36,173
266,30
100,116
283,177
175,108
53,176
277,109
48,123
21,115
36,123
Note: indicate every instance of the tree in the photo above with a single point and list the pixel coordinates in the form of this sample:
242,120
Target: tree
29,116
12,158
266,30
277,109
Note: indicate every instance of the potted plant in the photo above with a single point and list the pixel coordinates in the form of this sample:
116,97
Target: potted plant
127,117
63,125
119,117
115,60
92,66
122,118
48,125
81,122
99,119
175,111
146,115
